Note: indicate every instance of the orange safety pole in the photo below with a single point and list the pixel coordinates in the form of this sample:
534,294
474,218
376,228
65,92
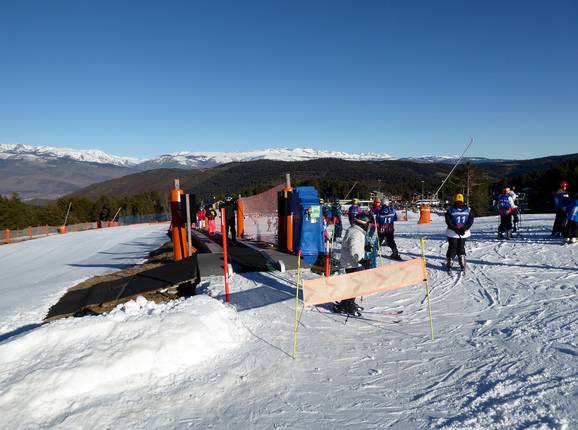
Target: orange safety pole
289,216
240,218
29,232
7,238
178,230
290,232
225,255
327,271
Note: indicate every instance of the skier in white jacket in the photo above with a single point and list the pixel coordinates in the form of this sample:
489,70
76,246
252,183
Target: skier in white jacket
353,250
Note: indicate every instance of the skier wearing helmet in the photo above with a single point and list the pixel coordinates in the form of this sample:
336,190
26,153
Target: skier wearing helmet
515,216
230,206
571,229
375,207
352,258
385,223
561,200
353,211
459,219
506,208
336,215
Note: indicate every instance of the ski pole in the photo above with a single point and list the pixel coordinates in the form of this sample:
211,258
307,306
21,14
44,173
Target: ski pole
296,305
424,272
350,190
378,244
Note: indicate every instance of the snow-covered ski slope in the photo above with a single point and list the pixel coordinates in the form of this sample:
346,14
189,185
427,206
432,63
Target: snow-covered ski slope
35,273
504,357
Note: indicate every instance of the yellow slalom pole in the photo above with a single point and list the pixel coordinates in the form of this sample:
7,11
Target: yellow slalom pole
424,271
296,305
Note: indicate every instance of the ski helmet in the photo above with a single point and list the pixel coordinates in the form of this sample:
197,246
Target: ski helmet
354,201
459,198
376,203
506,190
321,201
384,202
228,197
363,220
564,185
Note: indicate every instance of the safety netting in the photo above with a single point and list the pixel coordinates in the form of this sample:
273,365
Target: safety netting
260,215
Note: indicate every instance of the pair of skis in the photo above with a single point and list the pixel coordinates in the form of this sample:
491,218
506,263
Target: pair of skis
373,315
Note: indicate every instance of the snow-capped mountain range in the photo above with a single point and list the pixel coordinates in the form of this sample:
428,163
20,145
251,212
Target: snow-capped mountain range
40,153
192,160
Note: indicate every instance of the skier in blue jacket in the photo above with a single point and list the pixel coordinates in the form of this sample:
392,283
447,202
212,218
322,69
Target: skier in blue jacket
506,208
561,200
337,214
572,215
353,211
385,224
459,219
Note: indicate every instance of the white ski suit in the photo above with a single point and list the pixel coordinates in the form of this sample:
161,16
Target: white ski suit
352,247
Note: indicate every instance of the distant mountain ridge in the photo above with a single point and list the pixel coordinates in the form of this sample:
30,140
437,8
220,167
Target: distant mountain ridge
44,172
45,153
203,159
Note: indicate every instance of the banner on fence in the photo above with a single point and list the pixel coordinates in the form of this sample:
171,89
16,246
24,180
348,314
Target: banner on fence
384,278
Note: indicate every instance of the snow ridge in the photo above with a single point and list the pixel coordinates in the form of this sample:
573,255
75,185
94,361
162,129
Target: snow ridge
198,160
43,153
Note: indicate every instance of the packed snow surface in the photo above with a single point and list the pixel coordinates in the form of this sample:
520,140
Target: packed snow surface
504,354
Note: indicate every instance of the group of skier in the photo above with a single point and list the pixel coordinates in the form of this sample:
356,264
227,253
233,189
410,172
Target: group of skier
369,230
382,217
372,228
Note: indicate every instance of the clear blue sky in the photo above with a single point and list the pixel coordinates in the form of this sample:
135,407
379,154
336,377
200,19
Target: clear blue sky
145,78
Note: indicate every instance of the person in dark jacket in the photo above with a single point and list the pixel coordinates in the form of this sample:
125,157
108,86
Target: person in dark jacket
459,219
336,215
230,206
561,201
571,225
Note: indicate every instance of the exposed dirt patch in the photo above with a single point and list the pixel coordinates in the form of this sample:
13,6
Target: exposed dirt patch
157,258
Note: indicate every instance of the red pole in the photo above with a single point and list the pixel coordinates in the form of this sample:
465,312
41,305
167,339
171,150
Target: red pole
225,256
326,259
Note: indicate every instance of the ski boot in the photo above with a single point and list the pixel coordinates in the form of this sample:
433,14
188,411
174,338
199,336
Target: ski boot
462,260
449,265
395,255
572,241
509,234
500,235
348,307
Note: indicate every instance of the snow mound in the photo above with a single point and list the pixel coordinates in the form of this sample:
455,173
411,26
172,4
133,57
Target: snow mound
48,371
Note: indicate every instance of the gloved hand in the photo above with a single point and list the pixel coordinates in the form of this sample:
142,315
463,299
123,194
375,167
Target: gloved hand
461,231
365,263
368,247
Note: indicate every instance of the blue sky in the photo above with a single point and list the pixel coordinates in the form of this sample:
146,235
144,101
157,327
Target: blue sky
406,78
